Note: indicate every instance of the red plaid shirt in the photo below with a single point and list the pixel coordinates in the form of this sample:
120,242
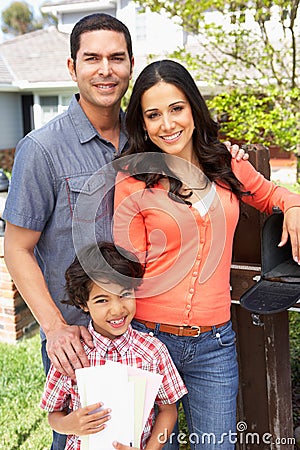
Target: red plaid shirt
132,348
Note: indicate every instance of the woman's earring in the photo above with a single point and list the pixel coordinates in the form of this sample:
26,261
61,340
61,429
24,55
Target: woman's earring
146,135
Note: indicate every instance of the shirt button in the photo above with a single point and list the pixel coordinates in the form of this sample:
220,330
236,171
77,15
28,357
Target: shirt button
195,274
188,306
192,291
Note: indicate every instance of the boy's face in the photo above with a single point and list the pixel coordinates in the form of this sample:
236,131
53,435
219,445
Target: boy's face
112,307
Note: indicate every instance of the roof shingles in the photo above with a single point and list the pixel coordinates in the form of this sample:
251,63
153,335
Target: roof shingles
38,56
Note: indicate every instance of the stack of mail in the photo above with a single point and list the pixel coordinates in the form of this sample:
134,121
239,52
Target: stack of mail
128,391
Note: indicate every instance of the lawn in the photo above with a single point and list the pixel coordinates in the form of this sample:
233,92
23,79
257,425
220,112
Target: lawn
23,425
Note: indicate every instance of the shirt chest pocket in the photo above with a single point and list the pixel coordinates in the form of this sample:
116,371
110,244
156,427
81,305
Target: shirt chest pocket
89,197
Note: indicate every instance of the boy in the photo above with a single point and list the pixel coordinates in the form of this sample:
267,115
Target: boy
101,281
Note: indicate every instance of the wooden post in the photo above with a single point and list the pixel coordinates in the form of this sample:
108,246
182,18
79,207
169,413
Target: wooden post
264,416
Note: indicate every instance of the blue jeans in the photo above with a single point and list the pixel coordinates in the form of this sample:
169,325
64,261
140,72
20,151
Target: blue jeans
58,440
208,367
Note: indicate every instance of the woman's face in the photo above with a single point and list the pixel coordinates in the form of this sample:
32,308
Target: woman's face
168,119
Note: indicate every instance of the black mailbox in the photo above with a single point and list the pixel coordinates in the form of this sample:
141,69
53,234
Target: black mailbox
279,286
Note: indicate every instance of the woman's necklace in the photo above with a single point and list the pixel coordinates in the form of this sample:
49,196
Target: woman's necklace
189,188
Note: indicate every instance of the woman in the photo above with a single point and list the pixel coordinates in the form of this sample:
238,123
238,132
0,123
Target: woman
177,201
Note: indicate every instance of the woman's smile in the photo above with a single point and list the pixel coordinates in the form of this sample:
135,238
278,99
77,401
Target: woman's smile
168,119
172,138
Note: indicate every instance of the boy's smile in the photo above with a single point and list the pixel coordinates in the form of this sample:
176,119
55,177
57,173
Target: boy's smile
112,307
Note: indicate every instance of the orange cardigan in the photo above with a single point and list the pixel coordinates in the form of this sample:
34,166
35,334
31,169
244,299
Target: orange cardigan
187,257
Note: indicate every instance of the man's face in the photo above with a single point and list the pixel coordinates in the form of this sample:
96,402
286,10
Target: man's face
102,69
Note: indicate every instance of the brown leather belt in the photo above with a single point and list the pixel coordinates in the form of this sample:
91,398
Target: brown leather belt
178,330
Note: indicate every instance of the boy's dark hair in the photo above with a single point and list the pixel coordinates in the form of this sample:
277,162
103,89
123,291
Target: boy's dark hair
101,262
95,22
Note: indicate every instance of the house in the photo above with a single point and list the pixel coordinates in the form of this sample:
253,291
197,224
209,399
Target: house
35,84
34,81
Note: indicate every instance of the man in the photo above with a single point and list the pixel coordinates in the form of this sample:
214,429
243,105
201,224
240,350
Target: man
51,167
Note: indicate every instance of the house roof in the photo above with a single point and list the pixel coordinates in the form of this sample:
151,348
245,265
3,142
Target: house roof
67,2
77,5
36,57
5,75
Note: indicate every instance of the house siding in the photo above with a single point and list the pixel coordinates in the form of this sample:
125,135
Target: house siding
11,121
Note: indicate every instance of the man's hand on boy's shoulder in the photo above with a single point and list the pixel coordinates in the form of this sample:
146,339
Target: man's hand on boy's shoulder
65,350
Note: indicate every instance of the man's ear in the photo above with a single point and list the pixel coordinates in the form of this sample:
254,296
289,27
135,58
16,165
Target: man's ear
71,68
132,66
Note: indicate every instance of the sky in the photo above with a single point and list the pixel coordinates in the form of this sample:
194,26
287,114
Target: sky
6,3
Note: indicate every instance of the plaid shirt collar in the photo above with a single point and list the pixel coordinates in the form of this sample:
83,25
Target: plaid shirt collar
120,344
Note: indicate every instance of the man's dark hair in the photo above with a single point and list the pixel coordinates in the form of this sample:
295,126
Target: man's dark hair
101,262
94,22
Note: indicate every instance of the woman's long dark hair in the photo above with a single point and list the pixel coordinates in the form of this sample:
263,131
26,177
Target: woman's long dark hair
213,156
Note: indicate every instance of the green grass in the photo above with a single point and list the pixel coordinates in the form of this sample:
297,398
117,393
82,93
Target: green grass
23,424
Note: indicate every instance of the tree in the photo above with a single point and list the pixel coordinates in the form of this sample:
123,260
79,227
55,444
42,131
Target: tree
19,19
270,116
249,48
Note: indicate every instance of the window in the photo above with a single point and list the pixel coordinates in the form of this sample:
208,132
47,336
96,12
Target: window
64,102
46,107
49,108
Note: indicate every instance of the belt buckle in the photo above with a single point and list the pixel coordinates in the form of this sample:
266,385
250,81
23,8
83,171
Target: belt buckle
195,327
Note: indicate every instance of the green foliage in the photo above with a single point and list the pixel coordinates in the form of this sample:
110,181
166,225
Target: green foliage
294,320
48,20
183,428
23,424
291,187
267,117
19,19
250,49
236,40
126,97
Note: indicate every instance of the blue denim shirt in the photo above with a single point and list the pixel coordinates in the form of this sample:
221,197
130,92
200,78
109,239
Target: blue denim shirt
52,167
